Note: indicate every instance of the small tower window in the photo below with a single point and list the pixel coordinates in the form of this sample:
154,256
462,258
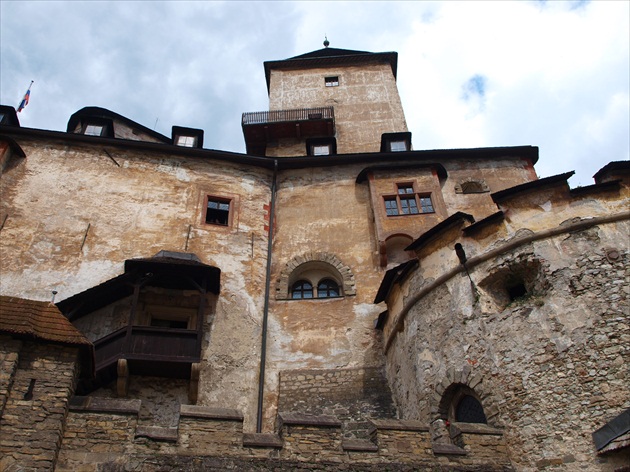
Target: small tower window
398,146
332,81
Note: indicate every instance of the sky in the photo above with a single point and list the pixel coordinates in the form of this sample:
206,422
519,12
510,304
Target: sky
552,74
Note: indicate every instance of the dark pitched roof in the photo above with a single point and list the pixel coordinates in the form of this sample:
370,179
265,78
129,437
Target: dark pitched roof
533,185
10,116
38,320
332,57
614,167
456,218
98,112
328,52
392,276
166,269
614,429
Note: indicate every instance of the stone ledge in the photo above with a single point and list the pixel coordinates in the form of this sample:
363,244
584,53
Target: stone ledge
194,411
157,433
448,449
402,425
104,405
301,419
262,440
474,428
363,445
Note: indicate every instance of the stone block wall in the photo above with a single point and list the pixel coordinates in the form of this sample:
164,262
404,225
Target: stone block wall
104,434
550,366
35,389
352,395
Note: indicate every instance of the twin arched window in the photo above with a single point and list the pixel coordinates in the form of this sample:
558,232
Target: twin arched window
326,288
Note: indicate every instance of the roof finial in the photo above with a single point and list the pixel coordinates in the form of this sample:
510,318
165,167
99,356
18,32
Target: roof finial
326,42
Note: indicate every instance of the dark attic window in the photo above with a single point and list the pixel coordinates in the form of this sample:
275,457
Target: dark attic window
218,211
332,81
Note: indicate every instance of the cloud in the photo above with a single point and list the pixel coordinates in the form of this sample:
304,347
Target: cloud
552,74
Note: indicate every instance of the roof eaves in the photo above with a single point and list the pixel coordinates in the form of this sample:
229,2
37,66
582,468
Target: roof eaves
392,276
456,218
528,186
614,166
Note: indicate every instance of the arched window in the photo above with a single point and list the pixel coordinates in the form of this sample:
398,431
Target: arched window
326,276
302,289
460,403
327,288
469,410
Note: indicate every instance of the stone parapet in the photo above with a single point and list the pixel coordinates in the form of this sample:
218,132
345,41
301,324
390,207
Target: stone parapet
103,433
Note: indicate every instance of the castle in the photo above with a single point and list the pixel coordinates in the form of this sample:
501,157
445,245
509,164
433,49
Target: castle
330,300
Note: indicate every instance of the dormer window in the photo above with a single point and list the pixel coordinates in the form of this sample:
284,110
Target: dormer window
94,130
97,127
186,141
332,81
187,137
397,146
396,142
321,150
321,147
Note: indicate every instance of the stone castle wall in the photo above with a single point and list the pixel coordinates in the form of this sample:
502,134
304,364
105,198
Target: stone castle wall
550,366
104,434
34,391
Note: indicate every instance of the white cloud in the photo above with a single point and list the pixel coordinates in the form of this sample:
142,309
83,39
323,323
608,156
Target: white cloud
556,73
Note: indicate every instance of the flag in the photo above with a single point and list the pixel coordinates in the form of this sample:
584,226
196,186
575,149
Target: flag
24,101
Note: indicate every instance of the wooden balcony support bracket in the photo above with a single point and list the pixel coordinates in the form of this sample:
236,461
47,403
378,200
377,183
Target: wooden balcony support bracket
193,386
122,383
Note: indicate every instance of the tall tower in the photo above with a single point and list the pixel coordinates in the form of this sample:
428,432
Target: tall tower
329,101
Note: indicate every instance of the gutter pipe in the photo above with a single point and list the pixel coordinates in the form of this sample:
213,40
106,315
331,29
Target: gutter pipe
263,344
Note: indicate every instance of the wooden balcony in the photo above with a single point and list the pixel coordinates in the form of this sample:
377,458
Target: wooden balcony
265,127
153,350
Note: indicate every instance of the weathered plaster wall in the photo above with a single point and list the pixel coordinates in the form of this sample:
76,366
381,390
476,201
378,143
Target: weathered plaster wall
366,102
552,367
323,211
498,174
150,202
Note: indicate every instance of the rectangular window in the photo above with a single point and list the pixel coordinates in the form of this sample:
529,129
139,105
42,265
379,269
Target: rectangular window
332,81
94,130
398,146
426,205
321,150
407,202
218,211
186,141
391,206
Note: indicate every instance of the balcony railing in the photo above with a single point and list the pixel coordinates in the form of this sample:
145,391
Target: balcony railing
147,343
283,116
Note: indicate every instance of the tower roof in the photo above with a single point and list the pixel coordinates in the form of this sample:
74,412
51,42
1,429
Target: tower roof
331,57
